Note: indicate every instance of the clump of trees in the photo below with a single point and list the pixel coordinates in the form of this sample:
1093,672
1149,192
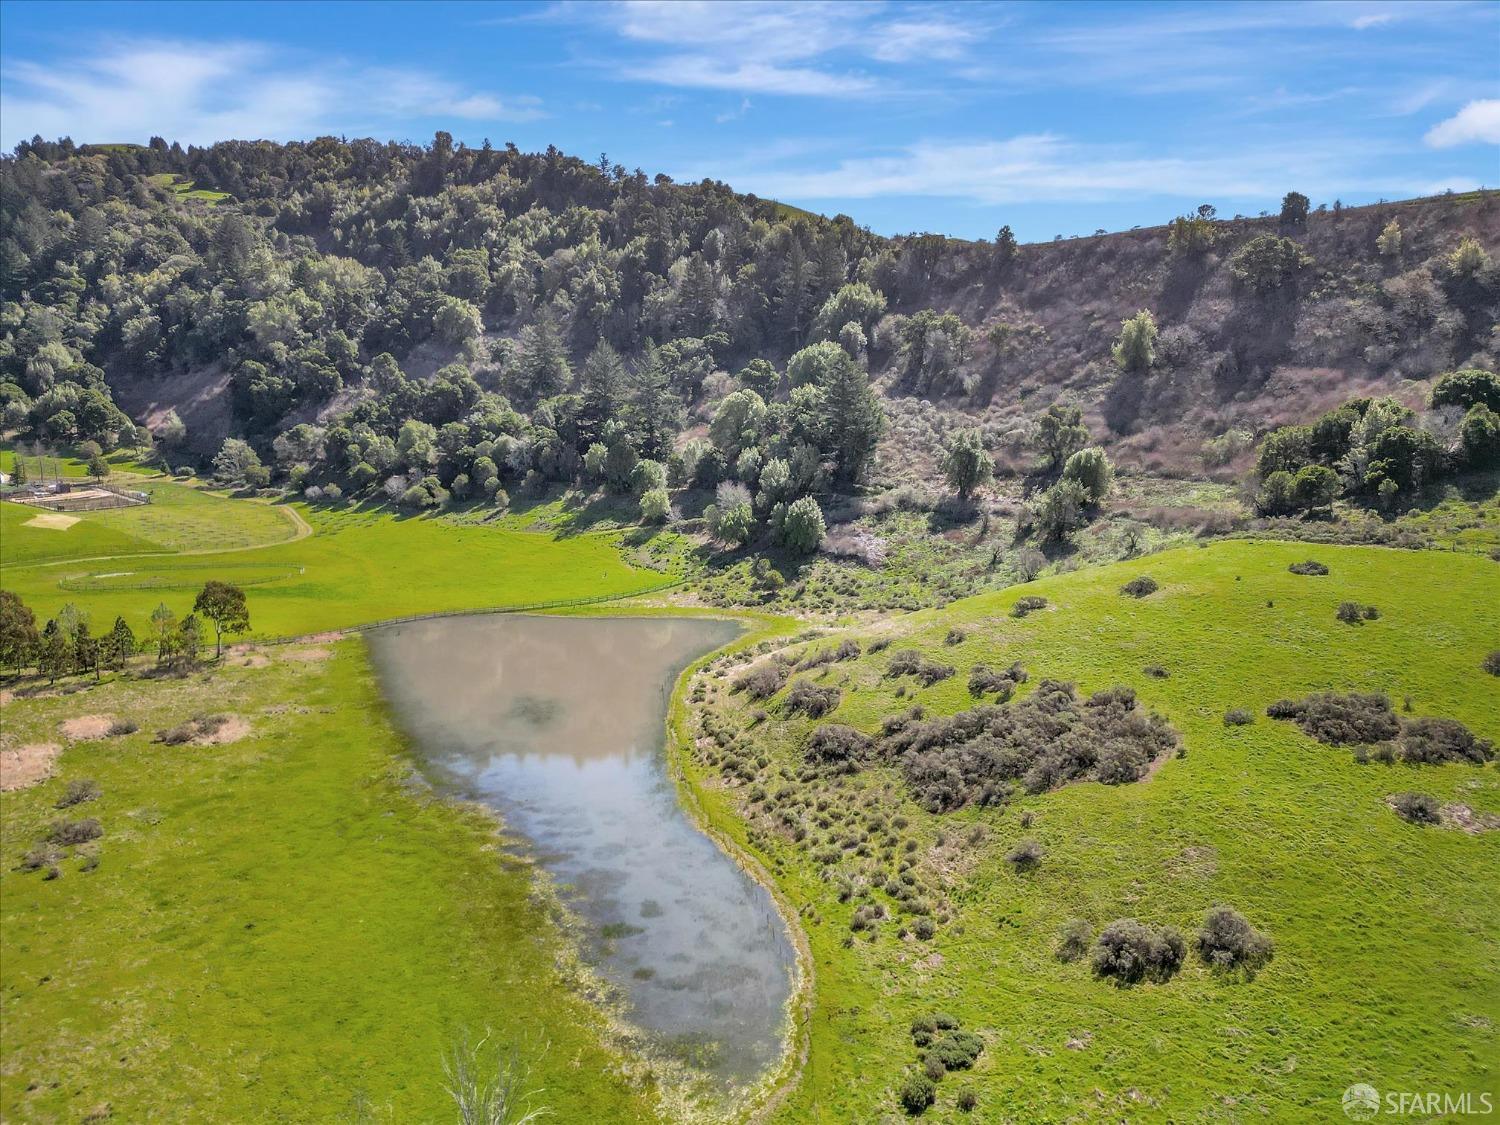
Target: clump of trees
67,644
1377,451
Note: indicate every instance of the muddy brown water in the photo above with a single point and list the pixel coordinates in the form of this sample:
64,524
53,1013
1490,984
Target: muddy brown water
557,723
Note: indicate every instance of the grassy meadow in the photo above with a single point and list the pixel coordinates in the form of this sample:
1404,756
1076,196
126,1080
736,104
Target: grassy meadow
358,565
282,927
1386,937
287,926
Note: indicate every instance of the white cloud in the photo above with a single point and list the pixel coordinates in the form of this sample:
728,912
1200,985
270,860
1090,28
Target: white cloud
1477,123
815,48
1045,167
199,92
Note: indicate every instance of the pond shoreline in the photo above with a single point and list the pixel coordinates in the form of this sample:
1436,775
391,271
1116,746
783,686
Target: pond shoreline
679,1084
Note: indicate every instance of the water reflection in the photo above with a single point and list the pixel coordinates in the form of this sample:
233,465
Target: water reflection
557,723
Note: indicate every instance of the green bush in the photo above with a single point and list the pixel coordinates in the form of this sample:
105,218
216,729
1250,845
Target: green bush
917,1093
1028,604
1074,941
1140,587
1129,951
1416,808
1228,941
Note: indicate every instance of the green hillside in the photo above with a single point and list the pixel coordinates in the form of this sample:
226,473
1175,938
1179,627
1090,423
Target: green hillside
1384,932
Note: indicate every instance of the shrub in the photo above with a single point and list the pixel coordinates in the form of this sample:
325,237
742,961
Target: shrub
1074,940
956,1050
924,929
78,792
1430,741
1350,613
923,1029
955,636
983,680
836,743
1416,808
39,857
966,1100
1156,672
1228,941
1140,587
810,699
1025,855
762,681
1029,604
122,727
1238,717
67,833
1308,567
1046,740
1129,951
1341,720
1491,663
917,1093
910,662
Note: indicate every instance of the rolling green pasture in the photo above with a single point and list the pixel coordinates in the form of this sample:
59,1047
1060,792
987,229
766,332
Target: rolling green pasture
21,545
282,928
358,566
182,517
1387,937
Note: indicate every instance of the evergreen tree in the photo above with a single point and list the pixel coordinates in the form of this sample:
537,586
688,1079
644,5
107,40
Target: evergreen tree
854,419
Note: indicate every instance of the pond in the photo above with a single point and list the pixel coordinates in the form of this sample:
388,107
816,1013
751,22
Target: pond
558,724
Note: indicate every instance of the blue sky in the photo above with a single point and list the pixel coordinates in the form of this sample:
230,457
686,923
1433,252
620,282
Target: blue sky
1054,118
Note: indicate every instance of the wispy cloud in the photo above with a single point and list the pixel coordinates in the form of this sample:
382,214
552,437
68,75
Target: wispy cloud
199,92
1477,123
815,48
1046,168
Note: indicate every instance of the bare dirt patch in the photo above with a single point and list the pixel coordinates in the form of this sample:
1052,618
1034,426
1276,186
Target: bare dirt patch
24,766
52,521
87,728
307,655
232,729
1467,820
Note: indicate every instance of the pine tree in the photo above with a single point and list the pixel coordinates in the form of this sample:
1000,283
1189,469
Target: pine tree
855,419
655,408
603,389
543,369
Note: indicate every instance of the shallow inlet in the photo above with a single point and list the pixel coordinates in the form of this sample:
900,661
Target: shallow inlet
557,723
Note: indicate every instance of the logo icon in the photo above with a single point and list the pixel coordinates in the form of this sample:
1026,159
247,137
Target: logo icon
1361,1102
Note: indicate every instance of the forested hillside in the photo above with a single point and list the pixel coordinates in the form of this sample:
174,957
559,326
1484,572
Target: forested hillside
450,320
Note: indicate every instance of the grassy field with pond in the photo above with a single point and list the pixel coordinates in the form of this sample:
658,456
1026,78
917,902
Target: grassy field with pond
1386,937
286,926
295,886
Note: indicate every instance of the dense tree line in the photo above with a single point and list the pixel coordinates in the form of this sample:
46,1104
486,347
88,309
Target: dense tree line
67,644
437,320
1380,451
